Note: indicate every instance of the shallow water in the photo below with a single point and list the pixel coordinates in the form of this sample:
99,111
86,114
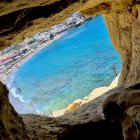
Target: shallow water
68,69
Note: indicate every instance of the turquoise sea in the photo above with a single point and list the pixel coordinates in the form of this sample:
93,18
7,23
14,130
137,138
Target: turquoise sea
68,69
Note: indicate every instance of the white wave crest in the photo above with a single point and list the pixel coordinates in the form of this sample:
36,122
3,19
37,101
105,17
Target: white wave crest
15,94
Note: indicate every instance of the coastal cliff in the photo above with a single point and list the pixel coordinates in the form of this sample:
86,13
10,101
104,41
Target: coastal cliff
114,115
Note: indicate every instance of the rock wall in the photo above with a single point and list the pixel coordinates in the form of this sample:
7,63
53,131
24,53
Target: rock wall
124,30
112,116
123,21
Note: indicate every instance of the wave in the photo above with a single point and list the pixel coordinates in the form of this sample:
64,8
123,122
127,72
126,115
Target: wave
15,94
20,105
13,89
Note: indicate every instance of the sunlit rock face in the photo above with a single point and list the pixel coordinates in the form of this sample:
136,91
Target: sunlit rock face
124,31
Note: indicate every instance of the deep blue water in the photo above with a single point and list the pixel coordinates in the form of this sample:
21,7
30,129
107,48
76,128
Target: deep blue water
69,68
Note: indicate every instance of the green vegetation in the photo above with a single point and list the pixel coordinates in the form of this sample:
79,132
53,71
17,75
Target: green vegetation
31,41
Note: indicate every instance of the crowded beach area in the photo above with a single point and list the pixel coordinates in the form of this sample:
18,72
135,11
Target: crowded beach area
13,56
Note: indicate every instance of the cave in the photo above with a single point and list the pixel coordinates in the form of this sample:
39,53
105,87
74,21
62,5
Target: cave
89,121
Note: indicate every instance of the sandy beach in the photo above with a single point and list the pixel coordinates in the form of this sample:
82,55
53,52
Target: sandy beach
8,70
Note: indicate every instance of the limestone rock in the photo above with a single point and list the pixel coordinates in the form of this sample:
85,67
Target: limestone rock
125,108
11,124
112,116
41,127
76,104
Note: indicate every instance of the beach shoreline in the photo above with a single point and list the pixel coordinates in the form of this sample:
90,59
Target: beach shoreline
10,69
